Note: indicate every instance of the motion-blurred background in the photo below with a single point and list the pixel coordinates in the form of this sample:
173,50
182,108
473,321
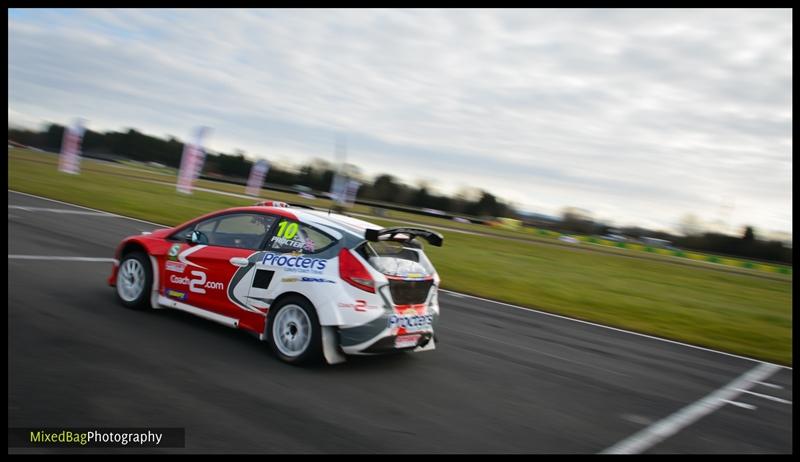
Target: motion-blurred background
546,144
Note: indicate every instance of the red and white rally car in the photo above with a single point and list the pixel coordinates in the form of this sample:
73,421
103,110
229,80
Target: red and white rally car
313,284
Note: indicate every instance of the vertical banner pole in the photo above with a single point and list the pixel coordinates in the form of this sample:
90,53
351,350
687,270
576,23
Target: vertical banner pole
351,190
339,183
69,159
192,161
337,188
256,180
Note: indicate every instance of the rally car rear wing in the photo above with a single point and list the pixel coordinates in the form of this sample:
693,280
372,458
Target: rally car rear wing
432,237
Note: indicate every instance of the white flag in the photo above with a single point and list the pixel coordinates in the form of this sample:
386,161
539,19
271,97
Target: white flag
256,180
351,188
192,161
337,188
69,161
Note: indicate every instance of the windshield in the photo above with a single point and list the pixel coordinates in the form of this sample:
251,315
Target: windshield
396,259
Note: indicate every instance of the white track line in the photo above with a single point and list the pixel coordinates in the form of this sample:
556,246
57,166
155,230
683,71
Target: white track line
87,208
461,295
663,429
771,398
59,258
742,405
74,212
770,385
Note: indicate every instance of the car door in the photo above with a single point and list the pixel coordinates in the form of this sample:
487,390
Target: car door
201,273
291,261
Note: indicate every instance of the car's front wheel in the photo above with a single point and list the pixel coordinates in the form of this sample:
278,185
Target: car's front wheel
134,280
294,333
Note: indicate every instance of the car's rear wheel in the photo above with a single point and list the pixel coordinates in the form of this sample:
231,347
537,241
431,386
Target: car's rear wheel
294,333
134,280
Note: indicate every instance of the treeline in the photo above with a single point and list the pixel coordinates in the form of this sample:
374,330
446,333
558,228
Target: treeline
384,188
745,246
318,176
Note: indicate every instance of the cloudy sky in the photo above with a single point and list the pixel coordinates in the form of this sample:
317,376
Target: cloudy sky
640,116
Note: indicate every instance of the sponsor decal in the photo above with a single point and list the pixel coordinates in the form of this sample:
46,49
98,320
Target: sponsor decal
307,279
410,277
279,242
414,323
418,308
405,341
175,267
415,276
173,251
294,264
198,283
183,281
176,294
359,305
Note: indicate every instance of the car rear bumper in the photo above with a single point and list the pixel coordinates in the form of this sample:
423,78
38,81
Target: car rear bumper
404,342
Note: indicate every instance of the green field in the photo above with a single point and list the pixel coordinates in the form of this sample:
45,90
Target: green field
730,311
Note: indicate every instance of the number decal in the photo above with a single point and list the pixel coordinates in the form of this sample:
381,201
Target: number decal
291,231
201,280
285,231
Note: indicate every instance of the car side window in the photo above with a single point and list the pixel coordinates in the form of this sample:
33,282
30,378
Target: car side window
183,235
291,236
207,227
240,230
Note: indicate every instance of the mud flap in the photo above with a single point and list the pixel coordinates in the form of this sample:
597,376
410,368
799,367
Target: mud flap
154,290
430,346
330,346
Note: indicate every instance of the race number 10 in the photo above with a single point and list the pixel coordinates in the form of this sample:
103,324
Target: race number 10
287,230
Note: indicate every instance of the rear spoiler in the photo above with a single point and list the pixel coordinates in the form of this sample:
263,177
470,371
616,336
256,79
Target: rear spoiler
432,237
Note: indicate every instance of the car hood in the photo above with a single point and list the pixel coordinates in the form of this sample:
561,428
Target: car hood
162,232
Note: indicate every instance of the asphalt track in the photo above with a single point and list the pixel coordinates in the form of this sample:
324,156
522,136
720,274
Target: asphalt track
502,380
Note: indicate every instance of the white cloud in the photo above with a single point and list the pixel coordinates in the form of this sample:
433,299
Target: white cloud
635,114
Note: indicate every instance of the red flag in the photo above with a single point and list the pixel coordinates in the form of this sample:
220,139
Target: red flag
192,162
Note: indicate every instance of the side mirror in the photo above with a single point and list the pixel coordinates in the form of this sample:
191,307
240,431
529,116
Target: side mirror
197,237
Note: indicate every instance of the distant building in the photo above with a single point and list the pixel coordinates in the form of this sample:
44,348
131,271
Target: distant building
615,237
653,242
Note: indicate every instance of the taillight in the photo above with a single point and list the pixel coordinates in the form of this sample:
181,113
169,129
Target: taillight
353,272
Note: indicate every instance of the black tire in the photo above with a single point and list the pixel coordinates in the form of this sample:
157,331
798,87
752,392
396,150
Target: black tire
312,354
142,301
